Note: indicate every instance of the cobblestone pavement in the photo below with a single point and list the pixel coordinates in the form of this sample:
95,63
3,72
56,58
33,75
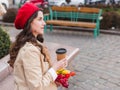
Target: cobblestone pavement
98,64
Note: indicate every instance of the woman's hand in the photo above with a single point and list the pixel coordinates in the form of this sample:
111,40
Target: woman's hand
60,64
57,84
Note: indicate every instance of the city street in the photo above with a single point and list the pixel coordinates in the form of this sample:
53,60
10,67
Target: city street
97,65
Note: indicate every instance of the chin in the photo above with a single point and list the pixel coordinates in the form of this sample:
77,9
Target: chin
41,33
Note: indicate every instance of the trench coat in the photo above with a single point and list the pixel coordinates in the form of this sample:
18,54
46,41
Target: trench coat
31,72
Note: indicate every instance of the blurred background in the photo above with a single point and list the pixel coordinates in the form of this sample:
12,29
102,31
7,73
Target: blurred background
110,15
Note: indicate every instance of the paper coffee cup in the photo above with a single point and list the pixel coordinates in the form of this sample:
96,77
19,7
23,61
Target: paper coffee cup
61,53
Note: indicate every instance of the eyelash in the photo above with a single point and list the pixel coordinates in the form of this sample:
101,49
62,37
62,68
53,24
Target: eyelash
40,19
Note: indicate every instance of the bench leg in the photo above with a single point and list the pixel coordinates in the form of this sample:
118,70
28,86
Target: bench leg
51,27
98,31
95,33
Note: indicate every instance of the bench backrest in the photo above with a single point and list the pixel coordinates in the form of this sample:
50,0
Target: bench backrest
75,13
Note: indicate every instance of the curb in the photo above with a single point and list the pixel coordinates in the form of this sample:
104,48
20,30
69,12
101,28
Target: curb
115,32
6,24
103,31
5,69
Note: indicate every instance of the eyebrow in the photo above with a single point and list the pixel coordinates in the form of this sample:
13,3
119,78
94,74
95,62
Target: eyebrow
39,17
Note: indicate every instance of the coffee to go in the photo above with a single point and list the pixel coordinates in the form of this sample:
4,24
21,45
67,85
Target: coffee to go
61,53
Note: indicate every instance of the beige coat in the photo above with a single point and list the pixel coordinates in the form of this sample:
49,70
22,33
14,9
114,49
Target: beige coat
30,71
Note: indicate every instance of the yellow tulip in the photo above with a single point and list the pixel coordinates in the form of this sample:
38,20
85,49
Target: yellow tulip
60,71
65,72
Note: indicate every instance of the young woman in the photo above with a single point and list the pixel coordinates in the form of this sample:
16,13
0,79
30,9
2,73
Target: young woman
29,57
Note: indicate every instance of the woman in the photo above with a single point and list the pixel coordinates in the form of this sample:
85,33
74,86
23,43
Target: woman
29,57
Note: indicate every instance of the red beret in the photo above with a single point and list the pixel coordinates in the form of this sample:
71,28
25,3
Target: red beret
24,13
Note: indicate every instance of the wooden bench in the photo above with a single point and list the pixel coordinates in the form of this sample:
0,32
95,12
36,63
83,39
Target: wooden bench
83,17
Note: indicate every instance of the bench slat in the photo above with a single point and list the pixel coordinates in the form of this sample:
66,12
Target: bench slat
89,10
76,9
74,24
87,16
74,13
74,16
57,15
64,8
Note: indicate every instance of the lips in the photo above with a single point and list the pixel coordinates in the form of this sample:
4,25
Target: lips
41,28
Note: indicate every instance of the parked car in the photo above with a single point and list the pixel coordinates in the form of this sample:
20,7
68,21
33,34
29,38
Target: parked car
5,3
63,2
117,1
39,3
97,1
77,2
103,1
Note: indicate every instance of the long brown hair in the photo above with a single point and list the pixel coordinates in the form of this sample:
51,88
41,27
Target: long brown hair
26,36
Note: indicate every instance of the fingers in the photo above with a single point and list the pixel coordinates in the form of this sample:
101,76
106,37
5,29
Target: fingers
60,64
65,63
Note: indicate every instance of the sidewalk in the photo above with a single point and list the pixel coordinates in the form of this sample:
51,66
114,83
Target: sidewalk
98,63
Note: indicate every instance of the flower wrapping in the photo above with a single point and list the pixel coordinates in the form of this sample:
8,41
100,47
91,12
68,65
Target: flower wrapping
63,77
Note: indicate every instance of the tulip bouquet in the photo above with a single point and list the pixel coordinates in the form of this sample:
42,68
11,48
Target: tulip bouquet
63,77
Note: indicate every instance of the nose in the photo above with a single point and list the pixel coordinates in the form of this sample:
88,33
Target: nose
44,23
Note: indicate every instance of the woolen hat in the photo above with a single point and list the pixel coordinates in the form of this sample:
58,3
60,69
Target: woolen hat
24,13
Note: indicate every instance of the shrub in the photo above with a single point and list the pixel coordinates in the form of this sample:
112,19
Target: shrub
4,43
10,15
111,15
110,19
